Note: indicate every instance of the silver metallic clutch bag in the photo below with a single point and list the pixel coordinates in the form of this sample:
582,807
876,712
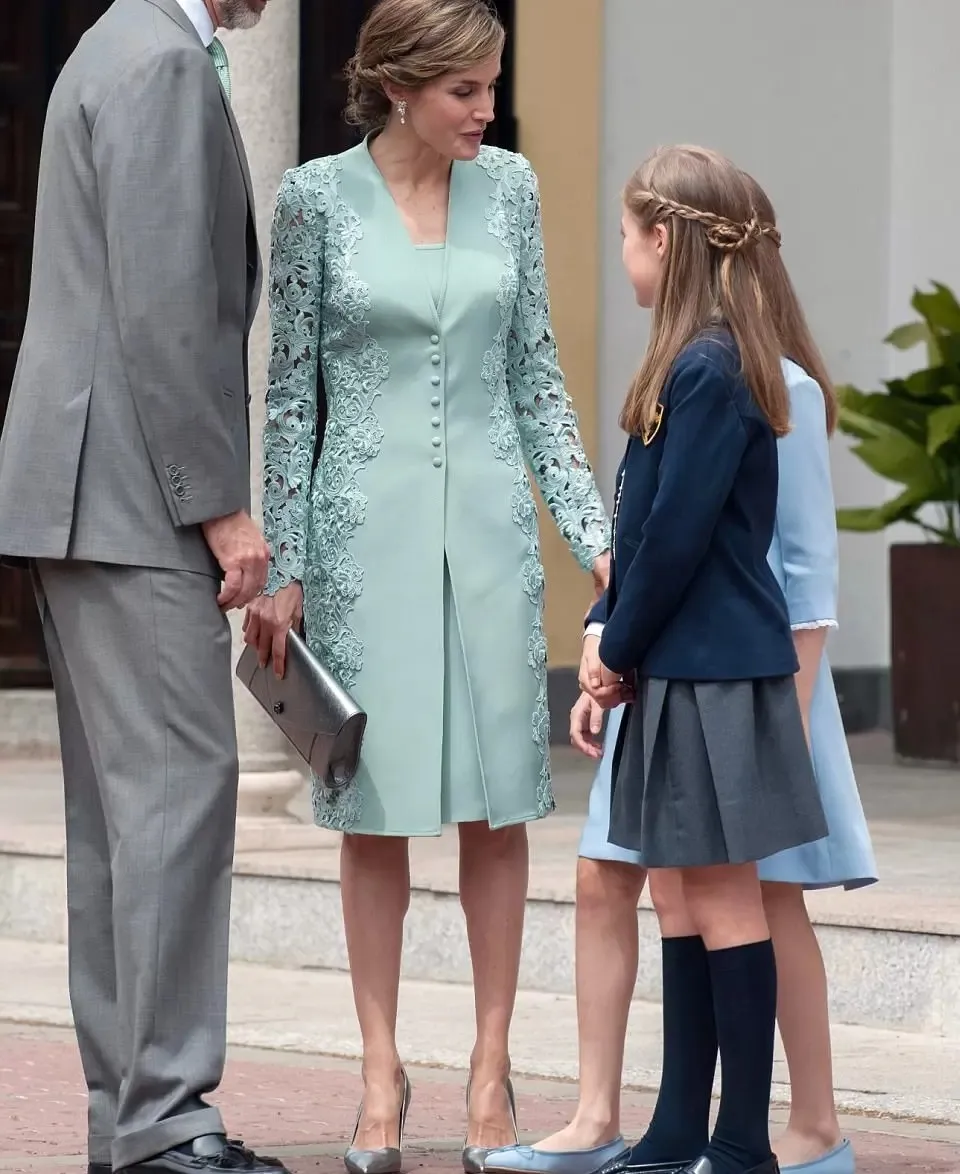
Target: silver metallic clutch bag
319,719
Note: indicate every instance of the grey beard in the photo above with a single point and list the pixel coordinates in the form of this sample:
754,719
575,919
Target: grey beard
237,14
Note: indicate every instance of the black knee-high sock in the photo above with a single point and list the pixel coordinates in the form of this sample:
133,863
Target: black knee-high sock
681,1121
745,1005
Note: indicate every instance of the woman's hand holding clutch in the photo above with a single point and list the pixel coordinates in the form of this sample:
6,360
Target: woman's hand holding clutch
268,620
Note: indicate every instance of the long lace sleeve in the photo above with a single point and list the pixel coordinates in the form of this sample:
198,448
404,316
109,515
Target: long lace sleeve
296,268
545,417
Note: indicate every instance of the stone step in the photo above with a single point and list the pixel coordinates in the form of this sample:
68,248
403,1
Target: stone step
893,949
890,1074
894,964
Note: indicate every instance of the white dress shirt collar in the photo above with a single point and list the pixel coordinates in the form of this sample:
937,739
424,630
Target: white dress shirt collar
199,17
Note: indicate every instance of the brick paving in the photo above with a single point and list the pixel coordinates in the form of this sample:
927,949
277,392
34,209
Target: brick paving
303,1108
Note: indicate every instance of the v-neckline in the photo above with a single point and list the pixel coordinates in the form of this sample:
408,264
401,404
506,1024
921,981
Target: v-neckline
436,304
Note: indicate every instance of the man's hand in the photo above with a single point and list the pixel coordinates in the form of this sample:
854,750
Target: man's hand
268,620
243,555
586,721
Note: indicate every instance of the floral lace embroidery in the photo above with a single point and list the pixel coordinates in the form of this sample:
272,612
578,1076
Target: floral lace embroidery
532,416
319,306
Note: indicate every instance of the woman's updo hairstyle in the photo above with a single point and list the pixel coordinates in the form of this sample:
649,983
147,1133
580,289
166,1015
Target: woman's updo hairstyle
411,43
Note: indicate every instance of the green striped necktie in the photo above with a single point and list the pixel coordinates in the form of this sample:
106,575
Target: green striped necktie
218,55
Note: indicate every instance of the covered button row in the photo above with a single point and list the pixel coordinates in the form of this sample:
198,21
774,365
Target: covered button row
435,402
436,421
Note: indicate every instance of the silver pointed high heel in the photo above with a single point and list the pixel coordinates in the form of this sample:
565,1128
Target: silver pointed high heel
473,1156
387,1159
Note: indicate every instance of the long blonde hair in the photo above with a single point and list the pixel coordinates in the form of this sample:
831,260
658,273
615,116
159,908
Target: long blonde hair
796,341
718,271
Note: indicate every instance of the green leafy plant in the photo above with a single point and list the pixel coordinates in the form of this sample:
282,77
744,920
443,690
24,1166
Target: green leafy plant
910,433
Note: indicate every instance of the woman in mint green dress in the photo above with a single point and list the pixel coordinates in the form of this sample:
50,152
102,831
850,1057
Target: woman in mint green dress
411,270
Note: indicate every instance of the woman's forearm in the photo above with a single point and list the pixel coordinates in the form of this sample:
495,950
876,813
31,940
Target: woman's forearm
809,643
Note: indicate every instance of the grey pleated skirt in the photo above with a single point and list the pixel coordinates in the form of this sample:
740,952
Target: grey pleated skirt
713,772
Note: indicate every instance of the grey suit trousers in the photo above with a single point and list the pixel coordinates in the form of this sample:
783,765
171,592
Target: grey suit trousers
141,669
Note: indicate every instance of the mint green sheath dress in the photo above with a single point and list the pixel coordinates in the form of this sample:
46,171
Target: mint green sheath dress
415,533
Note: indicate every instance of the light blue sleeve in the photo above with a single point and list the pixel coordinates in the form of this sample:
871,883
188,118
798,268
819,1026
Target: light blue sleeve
546,420
289,433
806,511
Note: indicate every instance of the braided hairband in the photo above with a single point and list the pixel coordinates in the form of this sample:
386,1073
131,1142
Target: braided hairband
722,233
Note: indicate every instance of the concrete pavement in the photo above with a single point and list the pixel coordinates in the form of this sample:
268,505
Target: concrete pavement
302,1108
900,1075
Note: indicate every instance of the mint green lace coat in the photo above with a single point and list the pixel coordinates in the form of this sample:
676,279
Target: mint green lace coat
433,416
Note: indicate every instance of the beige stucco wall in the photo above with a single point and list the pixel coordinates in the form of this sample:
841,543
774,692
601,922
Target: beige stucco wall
558,62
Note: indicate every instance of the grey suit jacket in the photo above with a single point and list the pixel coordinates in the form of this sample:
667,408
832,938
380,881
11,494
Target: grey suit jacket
128,425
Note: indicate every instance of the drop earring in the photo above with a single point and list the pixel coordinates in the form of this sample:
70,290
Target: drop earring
402,111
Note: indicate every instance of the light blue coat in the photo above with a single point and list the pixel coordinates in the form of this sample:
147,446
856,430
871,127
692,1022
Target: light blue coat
804,557
418,526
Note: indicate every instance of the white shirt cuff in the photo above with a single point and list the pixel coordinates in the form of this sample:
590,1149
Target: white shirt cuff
594,629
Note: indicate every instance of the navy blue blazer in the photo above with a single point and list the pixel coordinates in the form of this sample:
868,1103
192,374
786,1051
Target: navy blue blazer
692,596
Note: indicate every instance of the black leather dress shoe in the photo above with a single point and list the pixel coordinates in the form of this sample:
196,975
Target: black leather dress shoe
652,1168
624,1164
705,1166
213,1152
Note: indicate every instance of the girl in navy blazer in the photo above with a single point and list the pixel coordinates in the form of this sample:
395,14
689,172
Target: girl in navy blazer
610,878
712,771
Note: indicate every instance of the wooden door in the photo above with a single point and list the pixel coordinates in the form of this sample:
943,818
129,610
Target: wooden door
328,35
36,37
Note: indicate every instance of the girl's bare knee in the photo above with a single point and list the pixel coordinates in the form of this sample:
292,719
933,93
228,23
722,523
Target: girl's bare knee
669,901
725,904
602,883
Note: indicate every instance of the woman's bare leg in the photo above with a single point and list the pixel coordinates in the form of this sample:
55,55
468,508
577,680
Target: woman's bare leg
606,949
803,1014
375,890
494,870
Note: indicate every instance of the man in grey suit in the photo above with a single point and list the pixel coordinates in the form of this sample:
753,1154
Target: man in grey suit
124,481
